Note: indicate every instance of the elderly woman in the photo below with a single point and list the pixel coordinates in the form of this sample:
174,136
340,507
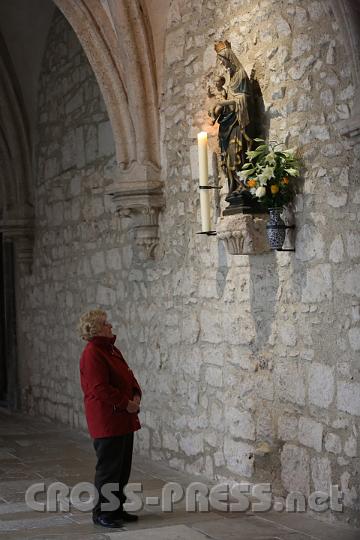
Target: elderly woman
112,400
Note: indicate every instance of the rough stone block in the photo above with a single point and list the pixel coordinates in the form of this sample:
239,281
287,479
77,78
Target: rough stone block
333,443
350,281
288,335
310,433
288,428
239,457
113,259
337,200
321,384
210,325
105,296
175,46
214,376
69,151
290,382
170,442
309,243
98,262
295,472
193,444
240,423
348,397
350,447
318,284
321,473
354,338
336,253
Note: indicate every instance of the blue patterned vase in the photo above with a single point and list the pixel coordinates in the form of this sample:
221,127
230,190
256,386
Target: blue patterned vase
275,228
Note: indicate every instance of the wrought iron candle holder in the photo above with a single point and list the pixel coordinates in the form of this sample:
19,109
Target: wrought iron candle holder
209,233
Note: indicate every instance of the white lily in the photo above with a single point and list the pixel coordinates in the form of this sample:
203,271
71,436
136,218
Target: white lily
266,174
270,158
260,192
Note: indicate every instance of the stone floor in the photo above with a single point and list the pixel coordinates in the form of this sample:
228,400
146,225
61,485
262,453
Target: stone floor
33,451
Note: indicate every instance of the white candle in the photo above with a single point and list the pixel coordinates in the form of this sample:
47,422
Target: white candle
204,181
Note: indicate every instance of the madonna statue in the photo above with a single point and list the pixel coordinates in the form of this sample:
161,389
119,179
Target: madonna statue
232,115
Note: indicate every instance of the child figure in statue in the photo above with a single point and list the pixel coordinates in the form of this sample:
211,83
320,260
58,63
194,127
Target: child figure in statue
217,110
232,115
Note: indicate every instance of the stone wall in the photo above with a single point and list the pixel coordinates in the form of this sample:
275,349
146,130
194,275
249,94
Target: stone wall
73,219
230,351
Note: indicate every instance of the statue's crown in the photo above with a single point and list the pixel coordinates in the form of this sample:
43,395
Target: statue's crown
220,45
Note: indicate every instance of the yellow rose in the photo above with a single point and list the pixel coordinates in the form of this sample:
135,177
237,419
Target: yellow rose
274,189
251,182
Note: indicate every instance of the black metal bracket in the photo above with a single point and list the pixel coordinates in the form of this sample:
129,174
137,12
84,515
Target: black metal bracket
208,233
210,187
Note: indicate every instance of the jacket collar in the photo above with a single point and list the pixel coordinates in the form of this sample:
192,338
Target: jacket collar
103,341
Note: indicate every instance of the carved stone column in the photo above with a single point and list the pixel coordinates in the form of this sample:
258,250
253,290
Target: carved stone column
141,200
244,234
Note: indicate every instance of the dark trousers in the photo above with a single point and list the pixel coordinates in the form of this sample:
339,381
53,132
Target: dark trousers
114,456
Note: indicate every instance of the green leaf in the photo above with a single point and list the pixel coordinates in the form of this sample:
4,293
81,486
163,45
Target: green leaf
247,165
259,140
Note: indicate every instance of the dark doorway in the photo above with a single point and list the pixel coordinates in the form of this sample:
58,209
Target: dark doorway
8,347
3,371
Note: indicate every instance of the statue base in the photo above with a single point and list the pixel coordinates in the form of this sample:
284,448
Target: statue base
244,233
242,202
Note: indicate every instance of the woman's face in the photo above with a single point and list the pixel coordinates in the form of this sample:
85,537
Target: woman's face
227,64
105,329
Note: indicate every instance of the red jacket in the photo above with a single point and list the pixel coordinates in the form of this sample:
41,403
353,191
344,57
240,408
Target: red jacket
108,385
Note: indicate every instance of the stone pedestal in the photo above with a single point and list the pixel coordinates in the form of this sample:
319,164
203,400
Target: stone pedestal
244,234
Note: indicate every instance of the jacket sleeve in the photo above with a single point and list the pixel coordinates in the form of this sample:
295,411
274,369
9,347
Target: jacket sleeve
94,376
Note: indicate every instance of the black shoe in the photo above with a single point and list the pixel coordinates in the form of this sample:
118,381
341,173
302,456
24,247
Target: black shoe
125,516
107,521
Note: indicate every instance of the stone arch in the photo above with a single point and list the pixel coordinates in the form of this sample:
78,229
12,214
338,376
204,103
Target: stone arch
112,56
347,13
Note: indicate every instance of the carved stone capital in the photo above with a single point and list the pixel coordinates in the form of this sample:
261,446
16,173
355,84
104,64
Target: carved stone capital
21,232
244,234
141,200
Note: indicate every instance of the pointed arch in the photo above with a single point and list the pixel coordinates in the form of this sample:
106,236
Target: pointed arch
121,72
15,153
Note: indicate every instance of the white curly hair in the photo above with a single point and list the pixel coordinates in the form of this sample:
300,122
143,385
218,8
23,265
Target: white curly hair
91,322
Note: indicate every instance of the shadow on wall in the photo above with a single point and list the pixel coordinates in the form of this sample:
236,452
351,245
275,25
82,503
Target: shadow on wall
264,285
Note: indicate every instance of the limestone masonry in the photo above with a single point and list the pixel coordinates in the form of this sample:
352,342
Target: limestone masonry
231,351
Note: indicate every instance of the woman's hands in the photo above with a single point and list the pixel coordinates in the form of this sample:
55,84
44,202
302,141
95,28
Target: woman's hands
134,404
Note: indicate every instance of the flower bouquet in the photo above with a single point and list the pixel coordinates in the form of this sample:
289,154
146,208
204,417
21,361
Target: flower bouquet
269,173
